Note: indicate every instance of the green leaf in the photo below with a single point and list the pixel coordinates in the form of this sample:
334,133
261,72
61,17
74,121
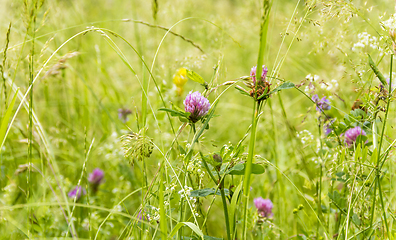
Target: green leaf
376,71
242,92
191,225
285,85
4,121
356,219
195,77
239,169
212,238
174,113
233,205
207,191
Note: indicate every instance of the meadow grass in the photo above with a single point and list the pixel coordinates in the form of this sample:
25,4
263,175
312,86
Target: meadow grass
149,119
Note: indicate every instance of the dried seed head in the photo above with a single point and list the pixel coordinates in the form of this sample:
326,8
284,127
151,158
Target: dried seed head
137,146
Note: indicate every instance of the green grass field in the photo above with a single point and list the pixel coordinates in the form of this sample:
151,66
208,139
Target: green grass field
145,119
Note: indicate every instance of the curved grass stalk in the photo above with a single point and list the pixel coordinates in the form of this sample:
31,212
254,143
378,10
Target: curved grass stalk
110,213
79,184
301,194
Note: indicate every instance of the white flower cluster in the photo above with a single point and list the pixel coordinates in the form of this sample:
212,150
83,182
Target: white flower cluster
155,214
171,188
330,85
111,150
305,136
311,87
366,40
195,167
313,78
185,192
390,24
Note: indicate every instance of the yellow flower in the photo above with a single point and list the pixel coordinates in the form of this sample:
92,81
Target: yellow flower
180,79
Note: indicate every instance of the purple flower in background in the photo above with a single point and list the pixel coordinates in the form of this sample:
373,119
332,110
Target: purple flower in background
123,114
323,103
387,88
264,207
197,105
76,192
141,216
328,128
263,73
352,134
96,176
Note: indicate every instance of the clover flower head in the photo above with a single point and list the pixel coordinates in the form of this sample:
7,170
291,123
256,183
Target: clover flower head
96,177
253,72
323,103
77,192
352,134
264,206
197,105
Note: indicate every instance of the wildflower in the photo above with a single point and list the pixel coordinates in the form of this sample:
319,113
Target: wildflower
323,103
352,134
96,178
123,114
261,86
263,73
76,192
180,79
197,105
328,127
264,207
141,216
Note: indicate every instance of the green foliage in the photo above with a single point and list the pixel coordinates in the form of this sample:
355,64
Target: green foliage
83,88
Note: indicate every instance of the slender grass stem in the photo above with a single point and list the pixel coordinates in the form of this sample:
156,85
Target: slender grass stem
249,161
224,200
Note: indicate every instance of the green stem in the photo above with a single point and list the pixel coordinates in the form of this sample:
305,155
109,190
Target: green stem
223,198
248,168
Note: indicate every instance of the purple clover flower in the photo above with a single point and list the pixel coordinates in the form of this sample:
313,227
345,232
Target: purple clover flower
76,192
352,134
197,105
323,103
96,176
253,72
264,207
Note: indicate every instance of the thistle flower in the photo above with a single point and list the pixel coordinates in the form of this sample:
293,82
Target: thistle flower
323,103
352,134
253,72
76,192
264,207
96,177
123,114
197,105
